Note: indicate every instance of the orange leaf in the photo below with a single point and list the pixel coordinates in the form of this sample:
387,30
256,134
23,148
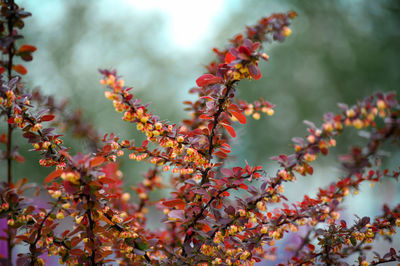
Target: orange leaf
53,175
105,219
20,69
97,161
239,116
107,180
27,48
308,168
206,228
230,130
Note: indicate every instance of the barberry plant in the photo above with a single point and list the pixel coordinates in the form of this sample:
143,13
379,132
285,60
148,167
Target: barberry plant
214,215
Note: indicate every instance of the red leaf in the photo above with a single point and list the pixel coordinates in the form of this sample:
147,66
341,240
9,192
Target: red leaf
107,148
239,116
230,130
2,69
76,252
75,241
53,175
107,180
27,48
173,203
234,107
20,69
224,150
65,154
244,186
221,154
96,161
225,194
244,50
371,173
229,58
203,116
3,138
207,97
254,71
227,172
19,158
226,145
210,126
47,118
207,79
176,215
145,143
385,172
10,120
217,204
70,188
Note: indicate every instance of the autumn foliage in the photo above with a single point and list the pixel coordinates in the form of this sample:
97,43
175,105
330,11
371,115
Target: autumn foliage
214,215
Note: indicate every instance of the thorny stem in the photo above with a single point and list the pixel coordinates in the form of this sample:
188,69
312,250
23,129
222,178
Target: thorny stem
385,261
32,246
146,256
90,232
200,214
221,103
143,202
10,128
216,117
9,69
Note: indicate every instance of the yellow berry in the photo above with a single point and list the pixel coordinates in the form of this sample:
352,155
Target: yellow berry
256,116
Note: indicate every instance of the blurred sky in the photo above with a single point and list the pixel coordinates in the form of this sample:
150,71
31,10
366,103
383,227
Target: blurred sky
339,51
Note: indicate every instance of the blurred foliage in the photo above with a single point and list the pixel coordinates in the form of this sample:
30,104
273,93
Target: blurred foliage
339,51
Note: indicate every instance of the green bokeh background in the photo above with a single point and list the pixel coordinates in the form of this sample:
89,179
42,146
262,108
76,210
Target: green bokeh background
339,51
